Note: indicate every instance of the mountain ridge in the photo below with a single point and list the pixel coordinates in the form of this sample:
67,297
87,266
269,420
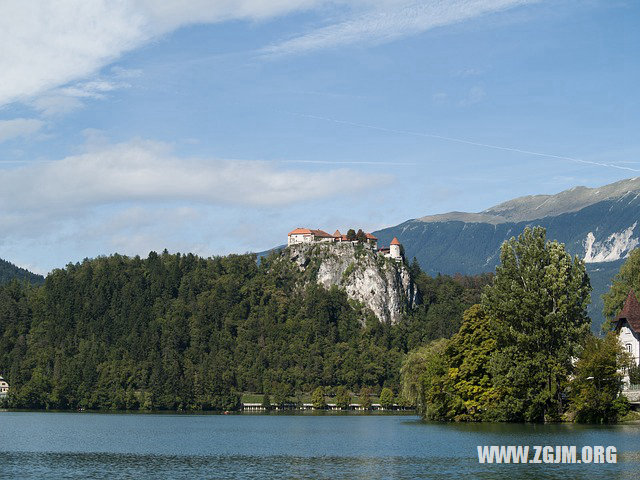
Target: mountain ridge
535,207
600,225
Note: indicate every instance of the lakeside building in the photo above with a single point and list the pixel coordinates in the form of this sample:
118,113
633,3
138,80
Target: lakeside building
311,236
628,327
254,407
4,388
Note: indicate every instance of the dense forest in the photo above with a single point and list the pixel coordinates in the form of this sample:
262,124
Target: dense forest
9,271
177,331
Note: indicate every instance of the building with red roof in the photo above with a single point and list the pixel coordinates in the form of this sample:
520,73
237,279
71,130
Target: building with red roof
309,236
395,249
628,326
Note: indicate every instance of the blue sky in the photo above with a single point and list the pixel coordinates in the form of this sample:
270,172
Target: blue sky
217,126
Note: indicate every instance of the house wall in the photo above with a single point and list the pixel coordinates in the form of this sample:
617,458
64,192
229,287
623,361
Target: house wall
630,341
299,238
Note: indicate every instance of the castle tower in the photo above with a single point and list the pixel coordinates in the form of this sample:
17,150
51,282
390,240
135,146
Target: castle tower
395,249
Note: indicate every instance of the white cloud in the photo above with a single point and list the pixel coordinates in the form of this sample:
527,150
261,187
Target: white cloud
389,21
47,44
19,127
474,95
139,196
146,171
70,97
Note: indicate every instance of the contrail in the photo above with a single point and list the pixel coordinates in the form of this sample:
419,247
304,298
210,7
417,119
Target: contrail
467,142
327,162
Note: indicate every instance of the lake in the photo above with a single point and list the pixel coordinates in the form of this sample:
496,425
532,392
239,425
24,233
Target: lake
244,446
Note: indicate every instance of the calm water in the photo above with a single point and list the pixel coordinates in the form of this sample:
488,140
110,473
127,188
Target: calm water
86,445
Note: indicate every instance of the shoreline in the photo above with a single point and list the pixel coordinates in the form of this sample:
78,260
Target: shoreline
285,412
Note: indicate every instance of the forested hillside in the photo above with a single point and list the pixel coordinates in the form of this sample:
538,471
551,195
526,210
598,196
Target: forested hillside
9,271
181,332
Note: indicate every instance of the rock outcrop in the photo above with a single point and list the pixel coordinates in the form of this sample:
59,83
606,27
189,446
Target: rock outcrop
381,284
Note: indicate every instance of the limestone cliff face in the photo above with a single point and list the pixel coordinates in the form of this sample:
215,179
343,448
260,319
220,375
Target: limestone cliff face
381,284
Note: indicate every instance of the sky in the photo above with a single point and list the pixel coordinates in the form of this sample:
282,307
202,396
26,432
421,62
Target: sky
216,127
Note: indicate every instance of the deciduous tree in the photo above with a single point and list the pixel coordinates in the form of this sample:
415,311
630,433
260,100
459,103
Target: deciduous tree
538,301
596,385
317,398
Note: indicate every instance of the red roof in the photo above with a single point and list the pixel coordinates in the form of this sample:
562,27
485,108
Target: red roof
371,237
395,241
337,233
307,231
630,312
321,233
300,231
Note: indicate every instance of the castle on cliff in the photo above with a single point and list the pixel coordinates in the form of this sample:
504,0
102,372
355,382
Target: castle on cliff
310,236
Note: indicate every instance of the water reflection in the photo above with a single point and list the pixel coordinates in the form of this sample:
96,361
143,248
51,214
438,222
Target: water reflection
45,445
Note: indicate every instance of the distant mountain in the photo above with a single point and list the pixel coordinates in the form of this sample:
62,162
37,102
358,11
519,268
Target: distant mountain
9,271
600,225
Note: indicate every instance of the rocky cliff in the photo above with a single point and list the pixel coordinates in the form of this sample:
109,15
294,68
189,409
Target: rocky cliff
381,284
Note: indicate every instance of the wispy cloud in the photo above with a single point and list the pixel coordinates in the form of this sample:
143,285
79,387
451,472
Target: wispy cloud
347,162
389,21
474,95
72,96
147,171
47,45
19,127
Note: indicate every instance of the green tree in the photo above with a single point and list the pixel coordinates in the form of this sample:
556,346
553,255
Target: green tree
342,398
361,236
266,401
538,301
634,374
597,383
351,234
414,268
424,380
365,397
386,398
280,393
317,398
628,278
469,353
415,365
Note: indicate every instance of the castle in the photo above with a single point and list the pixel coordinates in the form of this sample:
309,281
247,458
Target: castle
310,236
